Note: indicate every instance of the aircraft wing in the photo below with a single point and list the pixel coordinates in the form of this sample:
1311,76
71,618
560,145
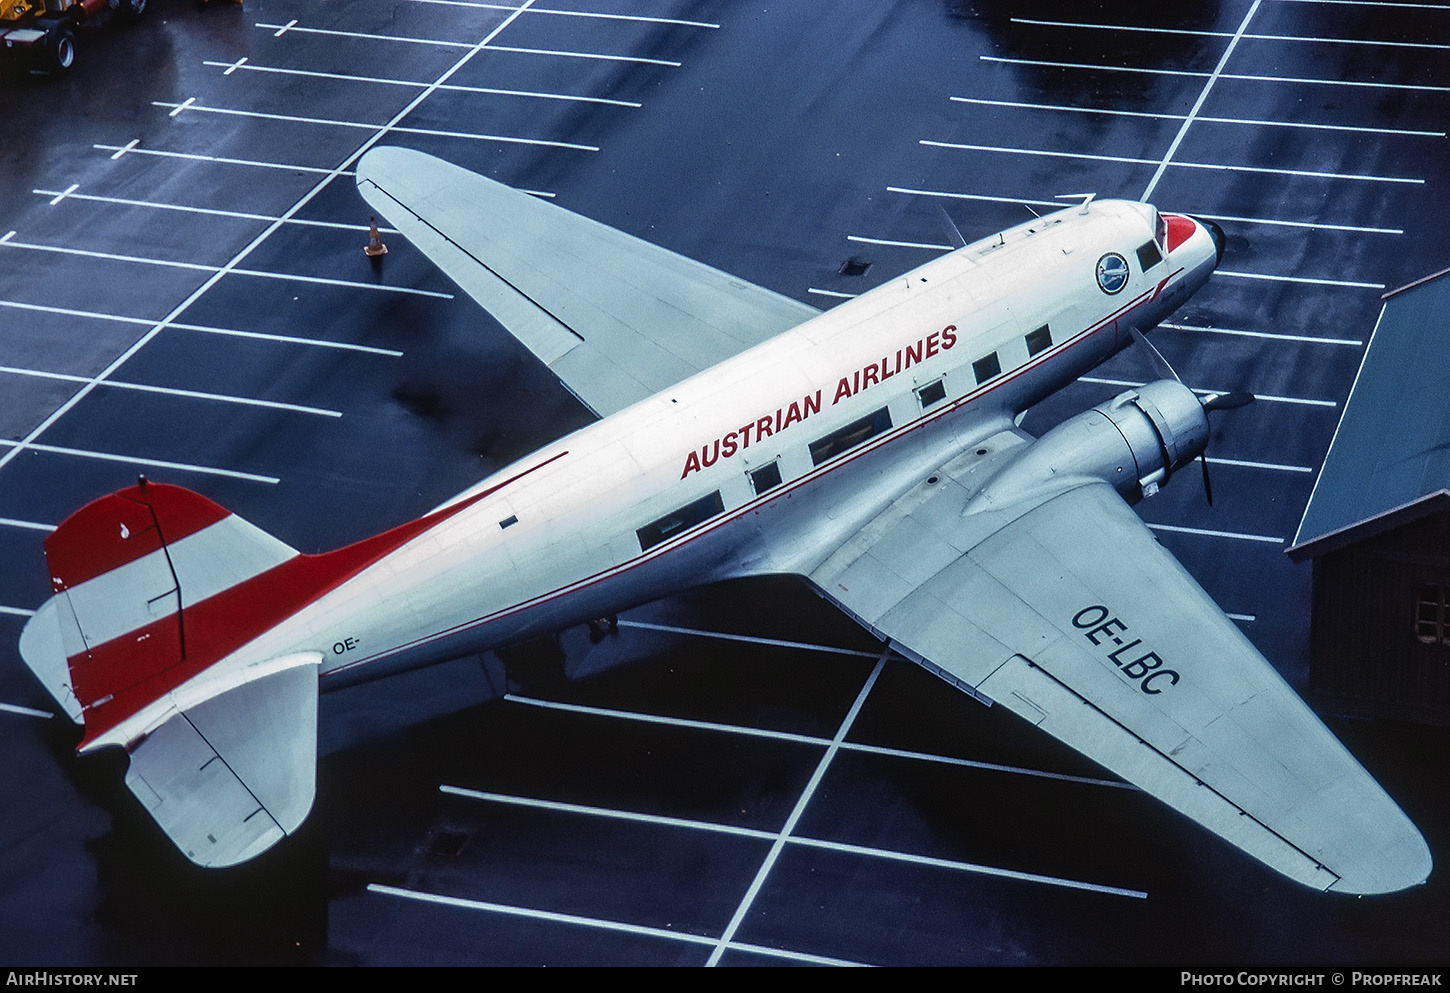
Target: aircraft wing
1063,608
616,318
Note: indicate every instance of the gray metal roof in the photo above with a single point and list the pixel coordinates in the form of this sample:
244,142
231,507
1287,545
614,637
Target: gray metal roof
1389,461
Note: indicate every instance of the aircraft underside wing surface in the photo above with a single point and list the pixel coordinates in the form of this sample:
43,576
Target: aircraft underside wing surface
617,319
1062,607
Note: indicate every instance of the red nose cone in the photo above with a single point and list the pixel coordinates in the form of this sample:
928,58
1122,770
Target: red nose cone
1180,229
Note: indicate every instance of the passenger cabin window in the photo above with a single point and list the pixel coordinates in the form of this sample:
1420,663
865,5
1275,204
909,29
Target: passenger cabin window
679,521
767,477
850,436
1149,256
934,392
1039,340
986,368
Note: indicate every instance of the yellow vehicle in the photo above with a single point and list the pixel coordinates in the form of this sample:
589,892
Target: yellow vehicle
41,34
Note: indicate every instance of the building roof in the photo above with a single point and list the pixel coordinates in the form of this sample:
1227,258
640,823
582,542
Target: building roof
1389,462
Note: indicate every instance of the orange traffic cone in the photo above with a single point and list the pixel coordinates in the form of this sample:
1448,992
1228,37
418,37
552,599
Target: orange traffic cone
375,247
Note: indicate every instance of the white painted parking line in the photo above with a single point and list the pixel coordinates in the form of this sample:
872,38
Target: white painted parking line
584,55
1257,396
1372,3
1015,770
899,244
608,813
984,870
711,827
13,708
404,39
150,322
949,195
30,440
1205,532
1314,225
1309,280
71,194
749,639
454,88
9,242
1197,33
788,829
173,391
1274,335
1241,77
553,917
1211,166
1270,466
289,339
131,148
595,15
81,453
367,126
803,739
1108,112
679,722
11,522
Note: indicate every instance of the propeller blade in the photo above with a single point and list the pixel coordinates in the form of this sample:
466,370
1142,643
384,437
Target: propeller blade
1227,401
1207,486
1160,365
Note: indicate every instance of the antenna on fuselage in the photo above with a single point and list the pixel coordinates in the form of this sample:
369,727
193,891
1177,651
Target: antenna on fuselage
1086,198
953,235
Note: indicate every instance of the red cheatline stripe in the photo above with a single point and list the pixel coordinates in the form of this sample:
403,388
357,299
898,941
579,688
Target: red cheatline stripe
118,678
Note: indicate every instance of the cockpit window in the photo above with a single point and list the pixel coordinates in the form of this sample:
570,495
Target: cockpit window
1160,232
1149,256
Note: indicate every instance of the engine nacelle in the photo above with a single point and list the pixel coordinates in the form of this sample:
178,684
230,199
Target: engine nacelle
1134,442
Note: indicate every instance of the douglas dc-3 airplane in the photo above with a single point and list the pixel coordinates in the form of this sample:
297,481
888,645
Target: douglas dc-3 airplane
871,449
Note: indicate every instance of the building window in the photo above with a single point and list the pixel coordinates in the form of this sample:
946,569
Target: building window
850,436
1149,256
934,392
1430,626
1039,340
986,368
767,477
680,520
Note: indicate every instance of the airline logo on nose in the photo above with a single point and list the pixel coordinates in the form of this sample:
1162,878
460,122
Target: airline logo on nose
1112,273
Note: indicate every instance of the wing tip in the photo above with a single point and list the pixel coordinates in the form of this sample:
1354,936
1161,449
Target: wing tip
1401,865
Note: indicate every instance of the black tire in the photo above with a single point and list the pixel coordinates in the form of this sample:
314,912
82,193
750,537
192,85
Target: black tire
60,50
130,11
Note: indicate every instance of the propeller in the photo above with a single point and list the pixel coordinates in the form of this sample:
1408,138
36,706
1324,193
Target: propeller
1214,401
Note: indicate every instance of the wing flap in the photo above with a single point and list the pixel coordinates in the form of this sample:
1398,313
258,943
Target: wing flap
616,318
1055,708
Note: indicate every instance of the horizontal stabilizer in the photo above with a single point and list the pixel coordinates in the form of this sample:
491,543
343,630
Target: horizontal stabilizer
230,775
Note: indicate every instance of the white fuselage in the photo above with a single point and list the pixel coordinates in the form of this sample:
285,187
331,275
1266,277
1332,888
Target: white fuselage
587,526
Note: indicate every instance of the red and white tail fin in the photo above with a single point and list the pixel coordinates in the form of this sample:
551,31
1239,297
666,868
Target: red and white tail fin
128,571
158,591
150,592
